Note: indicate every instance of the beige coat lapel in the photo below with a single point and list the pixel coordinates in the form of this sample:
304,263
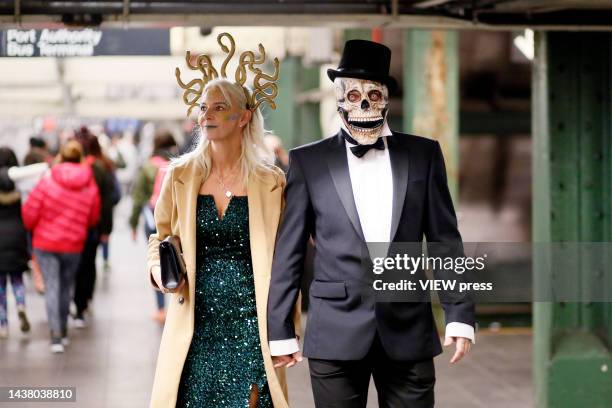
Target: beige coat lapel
187,186
264,195
256,192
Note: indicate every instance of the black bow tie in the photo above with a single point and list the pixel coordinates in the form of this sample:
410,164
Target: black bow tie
360,150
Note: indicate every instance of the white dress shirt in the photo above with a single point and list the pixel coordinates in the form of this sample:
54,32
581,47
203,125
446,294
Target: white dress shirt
372,183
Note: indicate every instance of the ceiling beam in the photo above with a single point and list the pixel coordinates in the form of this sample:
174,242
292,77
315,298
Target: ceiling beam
279,20
536,6
430,3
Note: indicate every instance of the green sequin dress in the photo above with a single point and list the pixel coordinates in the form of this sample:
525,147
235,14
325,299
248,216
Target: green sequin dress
225,357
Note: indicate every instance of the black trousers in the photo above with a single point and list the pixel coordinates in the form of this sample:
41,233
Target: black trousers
399,384
86,274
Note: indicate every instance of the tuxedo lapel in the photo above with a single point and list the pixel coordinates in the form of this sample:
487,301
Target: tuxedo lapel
338,168
400,167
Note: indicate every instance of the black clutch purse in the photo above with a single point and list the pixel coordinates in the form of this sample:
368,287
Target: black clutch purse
173,269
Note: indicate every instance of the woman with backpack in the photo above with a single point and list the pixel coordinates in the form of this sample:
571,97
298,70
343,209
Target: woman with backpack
145,192
59,212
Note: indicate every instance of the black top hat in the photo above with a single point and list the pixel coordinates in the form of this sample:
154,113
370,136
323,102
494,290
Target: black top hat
365,60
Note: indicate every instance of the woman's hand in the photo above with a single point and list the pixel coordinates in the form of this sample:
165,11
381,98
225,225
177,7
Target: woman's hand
287,361
156,274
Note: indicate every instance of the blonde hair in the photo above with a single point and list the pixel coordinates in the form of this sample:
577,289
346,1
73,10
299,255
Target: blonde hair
71,151
254,157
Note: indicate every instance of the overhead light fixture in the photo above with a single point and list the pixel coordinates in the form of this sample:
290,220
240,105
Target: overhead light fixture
525,44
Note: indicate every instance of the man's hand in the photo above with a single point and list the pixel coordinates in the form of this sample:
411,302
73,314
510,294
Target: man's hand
134,235
463,346
287,361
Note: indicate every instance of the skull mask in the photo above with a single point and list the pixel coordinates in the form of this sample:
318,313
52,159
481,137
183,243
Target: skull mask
362,104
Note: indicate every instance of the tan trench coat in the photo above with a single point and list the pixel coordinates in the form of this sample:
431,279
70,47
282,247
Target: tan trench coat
175,214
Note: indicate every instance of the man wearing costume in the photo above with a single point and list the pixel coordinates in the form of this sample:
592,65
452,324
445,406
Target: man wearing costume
365,184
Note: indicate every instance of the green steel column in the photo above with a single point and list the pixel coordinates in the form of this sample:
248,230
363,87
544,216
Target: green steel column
542,311
295,123
282,121
357,34
431,92
309,112
431,99
572,203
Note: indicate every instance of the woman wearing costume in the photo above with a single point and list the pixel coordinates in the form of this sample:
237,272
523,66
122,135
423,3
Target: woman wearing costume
223,200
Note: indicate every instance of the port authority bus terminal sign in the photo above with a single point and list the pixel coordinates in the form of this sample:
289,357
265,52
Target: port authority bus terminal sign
85,42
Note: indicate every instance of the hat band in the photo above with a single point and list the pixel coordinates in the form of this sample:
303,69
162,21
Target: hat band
360,71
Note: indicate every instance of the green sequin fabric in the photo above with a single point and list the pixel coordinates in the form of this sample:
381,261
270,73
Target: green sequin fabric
225,358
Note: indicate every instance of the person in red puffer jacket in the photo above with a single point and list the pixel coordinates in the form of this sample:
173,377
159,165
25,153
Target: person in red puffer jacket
59,211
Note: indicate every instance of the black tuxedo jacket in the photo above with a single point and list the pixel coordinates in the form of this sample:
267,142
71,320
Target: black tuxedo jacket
342,322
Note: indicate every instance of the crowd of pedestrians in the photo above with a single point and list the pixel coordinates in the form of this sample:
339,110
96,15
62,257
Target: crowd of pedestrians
55,211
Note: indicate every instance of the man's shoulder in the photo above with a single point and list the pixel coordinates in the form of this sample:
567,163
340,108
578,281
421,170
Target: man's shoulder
419,143
314,147
406,139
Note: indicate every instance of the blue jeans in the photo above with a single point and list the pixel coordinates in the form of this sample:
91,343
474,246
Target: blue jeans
59,270
104,246
16,279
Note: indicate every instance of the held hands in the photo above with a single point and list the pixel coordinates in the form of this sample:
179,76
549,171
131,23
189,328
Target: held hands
156,274
287,361
463,346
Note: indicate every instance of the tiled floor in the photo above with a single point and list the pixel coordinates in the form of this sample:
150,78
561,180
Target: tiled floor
111,362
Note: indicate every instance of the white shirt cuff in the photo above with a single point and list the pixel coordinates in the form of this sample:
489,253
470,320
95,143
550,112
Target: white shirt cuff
284,347
457,329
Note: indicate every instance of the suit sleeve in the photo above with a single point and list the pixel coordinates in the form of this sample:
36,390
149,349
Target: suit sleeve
289,254
443,237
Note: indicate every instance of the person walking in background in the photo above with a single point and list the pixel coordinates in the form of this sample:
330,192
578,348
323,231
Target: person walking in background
115,198
59,212
36,163
113,152
145,193
124,152
275,145
13,245
103,176
38,153
25,179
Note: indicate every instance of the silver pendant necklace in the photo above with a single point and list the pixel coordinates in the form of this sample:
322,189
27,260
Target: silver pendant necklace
226,190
